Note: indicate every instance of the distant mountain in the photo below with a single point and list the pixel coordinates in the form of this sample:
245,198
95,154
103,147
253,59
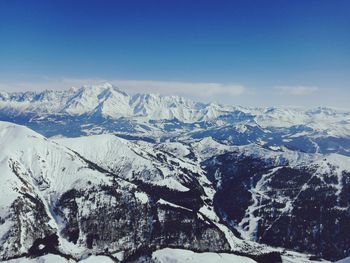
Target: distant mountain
104,101
106,109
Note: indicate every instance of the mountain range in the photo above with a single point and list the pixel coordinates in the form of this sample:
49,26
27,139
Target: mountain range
96,174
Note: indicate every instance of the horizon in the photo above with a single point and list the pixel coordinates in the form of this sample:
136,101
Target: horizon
135,92
245,53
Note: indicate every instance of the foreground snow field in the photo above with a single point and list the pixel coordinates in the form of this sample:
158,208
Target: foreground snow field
169,255
50,258
345,260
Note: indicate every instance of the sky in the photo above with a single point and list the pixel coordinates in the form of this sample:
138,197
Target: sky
244,52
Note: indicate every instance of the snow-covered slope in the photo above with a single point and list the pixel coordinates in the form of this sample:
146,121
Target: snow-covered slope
282,197
251,172
345,260
171,255
133,161
54,200
35,174
184,256
52,258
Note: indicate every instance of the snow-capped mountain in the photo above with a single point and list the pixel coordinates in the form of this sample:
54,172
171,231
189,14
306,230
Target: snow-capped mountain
104,100
288,199
106,109
108,101
271,191
109,196
132,177
54,200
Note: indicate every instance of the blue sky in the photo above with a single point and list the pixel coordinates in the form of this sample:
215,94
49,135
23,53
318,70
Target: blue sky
247,52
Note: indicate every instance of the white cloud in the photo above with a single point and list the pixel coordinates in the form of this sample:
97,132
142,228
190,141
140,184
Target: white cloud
202,89
297,90
197,89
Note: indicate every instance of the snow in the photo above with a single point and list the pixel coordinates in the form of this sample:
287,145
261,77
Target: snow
209,212
50,258
230,237
295,257
208,147
344,260
108,101
111,152
40,159
168,255
105,99
119,255
97,259
248,225
163,202
176,148
142,197
130,160
31,164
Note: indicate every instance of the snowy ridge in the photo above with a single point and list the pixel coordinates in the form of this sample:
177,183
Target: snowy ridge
103,109
41,161
43,176
130,160
111,102
207,148
193,153
40,178
104,99
34,168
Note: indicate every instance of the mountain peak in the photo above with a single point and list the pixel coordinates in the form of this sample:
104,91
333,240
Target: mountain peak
104,85
101,87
